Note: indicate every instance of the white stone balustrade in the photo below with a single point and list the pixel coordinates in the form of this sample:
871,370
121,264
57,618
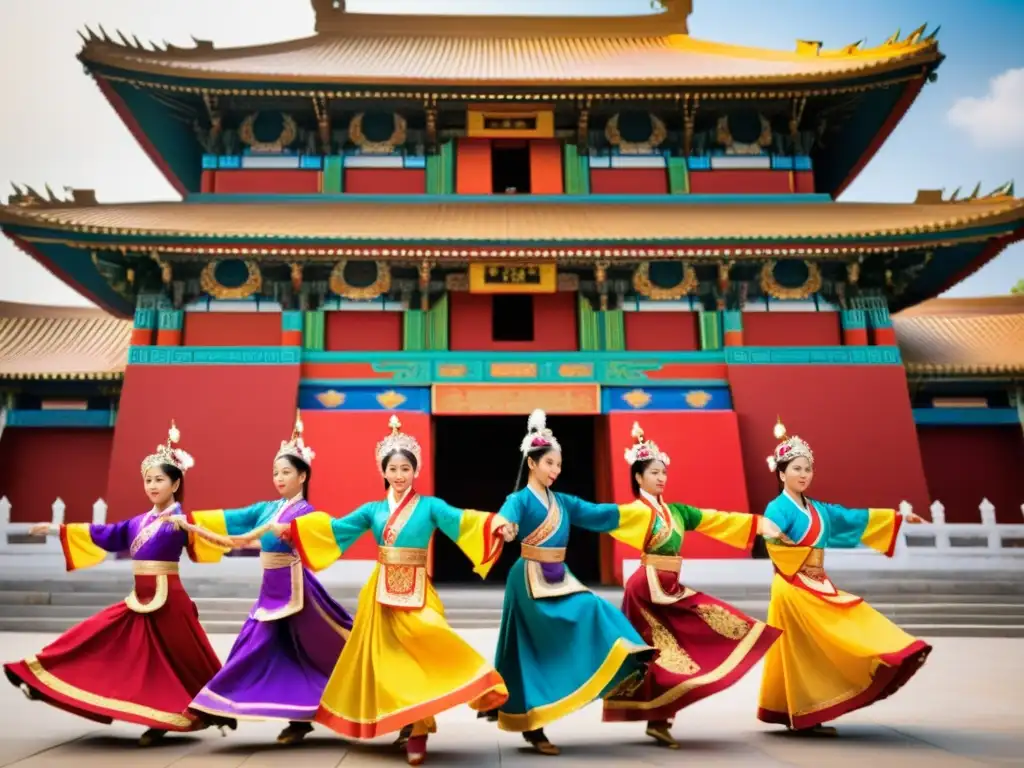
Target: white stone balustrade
24,544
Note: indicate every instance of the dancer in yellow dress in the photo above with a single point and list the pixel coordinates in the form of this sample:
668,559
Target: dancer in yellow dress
402,664
836,653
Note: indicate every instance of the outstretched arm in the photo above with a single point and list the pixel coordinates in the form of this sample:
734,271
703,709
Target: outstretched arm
480,535
87,544
631,523
875,528
321,539
223,524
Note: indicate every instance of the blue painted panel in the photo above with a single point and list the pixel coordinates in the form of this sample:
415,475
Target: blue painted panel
311,162
802,163
854,319
82,419
214,355
291,320
415,161
209,162
315,396
813,356
780,163
229,161
966,417
665,399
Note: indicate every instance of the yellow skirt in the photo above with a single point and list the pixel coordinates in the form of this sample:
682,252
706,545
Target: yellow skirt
834,656
402,667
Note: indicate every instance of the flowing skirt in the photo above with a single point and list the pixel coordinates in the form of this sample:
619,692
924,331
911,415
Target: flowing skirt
141,668
704,646
831,659
558,654
401,667
277,670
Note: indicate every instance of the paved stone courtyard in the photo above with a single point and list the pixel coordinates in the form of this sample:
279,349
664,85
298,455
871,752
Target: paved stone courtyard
965,708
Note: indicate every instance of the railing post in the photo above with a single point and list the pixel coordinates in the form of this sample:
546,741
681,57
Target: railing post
59,507
988,520
5,520
99,512
939,522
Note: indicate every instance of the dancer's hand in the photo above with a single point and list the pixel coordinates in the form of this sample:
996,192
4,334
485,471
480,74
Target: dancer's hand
283,531
39,529
909,516
508,532
770,530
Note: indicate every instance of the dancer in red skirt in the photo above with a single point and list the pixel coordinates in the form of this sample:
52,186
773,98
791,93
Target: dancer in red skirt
705,645
144,659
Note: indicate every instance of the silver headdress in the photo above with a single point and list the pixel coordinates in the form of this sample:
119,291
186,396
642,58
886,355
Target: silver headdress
296,447
644,450
398,441
166,454
537,434
789,449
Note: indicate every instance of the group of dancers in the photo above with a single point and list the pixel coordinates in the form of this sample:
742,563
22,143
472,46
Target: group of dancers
302,658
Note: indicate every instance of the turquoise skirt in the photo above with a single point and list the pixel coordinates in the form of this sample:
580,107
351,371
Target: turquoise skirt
558,654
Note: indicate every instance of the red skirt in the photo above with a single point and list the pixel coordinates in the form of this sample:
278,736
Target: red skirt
704,645
142,668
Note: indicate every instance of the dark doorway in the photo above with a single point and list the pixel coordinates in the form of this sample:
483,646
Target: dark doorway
510,168
476,460
512,317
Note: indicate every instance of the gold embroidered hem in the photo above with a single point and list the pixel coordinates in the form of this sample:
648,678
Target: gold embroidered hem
402,556
542,554
273,563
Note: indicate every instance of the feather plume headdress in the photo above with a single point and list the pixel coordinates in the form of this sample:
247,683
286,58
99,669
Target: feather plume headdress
644,450
537,434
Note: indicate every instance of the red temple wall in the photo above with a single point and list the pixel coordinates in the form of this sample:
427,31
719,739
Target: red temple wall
39,464
232,329
363,331
473,167
554,324
964,464
662,331
344,444
857,420
232,420
386,181
546,177
707,469
792,329
266,182
628,181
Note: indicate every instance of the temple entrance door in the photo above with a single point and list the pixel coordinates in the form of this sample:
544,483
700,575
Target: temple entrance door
510,167
476,459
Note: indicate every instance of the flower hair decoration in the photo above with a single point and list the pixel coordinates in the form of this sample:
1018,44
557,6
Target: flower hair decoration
643,450
168,454
789,449
296,446
537,434
398,441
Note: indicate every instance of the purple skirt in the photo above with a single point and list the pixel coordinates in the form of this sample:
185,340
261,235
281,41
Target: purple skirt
277,670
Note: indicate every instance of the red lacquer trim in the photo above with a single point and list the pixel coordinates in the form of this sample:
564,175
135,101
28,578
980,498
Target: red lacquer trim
493,542
899,668
813,530
65,548
297,544
409,496
465,695
753,531
897,526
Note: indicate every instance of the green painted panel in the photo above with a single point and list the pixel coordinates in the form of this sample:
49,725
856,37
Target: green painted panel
441,170
710,331
614,326
413,331
678,176
590,334
437,325
313,332
334,167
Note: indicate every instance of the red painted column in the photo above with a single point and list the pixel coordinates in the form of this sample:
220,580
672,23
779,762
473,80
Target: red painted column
291,329
855,327
732,326
169,326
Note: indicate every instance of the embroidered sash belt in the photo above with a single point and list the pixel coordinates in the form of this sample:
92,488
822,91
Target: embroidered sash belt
154,568
669,563
272,560
402,556
814,565
543,554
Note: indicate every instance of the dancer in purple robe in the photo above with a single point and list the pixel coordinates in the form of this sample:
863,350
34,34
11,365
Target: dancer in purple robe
280,663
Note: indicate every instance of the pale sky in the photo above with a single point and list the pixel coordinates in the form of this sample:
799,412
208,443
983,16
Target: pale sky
58,129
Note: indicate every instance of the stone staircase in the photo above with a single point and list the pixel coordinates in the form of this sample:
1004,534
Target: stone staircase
965,604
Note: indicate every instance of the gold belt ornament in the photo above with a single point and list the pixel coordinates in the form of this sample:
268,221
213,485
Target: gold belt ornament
668,563
543,554
402,556
271,560
814,565
154,568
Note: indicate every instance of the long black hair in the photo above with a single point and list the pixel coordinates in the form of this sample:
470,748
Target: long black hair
407,455
536,454
300,466
175,475
638,468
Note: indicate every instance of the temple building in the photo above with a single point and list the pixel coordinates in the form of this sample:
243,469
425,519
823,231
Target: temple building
460,219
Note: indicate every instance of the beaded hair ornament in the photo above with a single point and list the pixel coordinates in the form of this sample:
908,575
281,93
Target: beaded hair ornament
644,450
398,441
789,449
166,454
537,434
296,447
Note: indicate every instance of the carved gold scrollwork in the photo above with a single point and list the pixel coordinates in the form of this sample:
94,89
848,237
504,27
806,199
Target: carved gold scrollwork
247,133
776,290
396,139
614,136
733,147
211,285
342,288
642,284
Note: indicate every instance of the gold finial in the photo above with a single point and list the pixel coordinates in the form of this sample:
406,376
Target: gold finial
780,429
299,426
394,424
637,432
173,435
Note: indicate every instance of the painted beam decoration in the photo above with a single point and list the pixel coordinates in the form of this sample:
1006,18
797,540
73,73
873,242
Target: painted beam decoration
318,397
512,278
709,398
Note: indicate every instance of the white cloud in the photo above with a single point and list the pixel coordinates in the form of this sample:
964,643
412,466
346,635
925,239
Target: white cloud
996,120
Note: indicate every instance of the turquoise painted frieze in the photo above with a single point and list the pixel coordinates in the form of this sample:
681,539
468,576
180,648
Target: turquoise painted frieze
732,321
145,319
966,417
708,398
315,397
854,319
291,320
813,356
95,419
170,319
880,318
214,356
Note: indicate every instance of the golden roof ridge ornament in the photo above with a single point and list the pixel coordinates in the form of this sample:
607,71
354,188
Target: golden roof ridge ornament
914,41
